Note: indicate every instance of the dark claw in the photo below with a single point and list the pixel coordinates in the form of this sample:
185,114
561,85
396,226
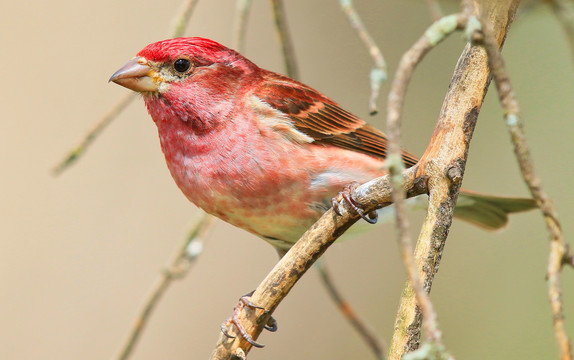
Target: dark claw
234,319
335,204
248,302
373,216
271,325
370,217
250,340
224,327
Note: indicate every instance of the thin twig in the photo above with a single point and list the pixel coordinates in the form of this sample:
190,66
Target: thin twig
558,247
435,10
379,71
178,268
182,20
376,345
242,8
435,34
564,11
178,28
285,39
92,135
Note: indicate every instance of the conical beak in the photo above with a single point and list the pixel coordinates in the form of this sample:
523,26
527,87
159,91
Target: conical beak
136,75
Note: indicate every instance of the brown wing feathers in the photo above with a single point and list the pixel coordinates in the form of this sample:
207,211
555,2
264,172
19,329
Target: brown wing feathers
325,121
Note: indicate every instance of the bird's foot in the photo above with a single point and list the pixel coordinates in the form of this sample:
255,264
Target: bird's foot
234,320
347,195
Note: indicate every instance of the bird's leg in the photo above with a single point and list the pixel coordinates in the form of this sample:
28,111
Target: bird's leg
234,319
347,195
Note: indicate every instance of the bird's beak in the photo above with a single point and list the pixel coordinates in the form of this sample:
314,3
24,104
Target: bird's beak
136,75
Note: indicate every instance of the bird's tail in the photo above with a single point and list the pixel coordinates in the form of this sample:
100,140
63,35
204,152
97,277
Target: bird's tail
488,211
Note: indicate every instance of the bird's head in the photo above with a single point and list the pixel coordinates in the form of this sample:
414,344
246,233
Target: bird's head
160,65
189,79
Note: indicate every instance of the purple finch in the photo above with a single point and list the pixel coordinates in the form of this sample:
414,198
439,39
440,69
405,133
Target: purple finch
259,150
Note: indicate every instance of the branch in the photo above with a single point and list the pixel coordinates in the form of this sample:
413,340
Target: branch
278,283
242,8
558,248
435,10
178,268
434,35
93,134
379,71
291,68
444,162
445,158
182,19
358,324
178,28
564,11
285,39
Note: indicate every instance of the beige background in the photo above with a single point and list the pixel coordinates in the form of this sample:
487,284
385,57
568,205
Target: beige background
80,252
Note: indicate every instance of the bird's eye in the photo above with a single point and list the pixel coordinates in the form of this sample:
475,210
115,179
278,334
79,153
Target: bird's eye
182,65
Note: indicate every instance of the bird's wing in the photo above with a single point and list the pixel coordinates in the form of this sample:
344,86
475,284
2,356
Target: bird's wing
322,119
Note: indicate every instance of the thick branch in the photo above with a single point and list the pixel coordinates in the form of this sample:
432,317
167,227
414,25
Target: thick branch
444,163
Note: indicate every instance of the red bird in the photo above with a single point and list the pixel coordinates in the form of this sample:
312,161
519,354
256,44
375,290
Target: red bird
259,150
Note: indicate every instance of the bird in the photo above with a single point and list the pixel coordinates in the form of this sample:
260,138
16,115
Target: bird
259,150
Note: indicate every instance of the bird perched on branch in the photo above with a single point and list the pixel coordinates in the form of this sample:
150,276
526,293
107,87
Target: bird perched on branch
262,151
259,150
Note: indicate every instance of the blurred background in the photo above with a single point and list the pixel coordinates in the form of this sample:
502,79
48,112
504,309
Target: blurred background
80,252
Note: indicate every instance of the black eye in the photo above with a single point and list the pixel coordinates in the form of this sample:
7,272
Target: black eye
182,65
